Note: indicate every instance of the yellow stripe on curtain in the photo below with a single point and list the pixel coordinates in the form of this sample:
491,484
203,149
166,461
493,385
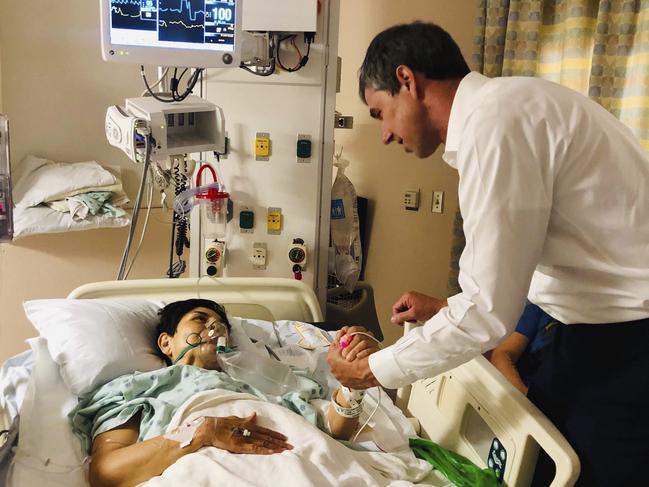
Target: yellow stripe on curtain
598,48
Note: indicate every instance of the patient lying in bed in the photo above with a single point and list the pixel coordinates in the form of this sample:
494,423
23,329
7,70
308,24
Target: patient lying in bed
138,425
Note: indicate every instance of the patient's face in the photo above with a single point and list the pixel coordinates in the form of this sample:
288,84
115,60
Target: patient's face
192,330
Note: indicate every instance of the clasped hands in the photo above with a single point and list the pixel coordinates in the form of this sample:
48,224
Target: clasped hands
350,365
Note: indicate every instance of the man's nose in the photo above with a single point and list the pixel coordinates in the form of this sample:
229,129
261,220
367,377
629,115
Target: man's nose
387,137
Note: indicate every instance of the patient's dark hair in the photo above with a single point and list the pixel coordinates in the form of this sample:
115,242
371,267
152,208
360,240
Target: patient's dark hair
171,315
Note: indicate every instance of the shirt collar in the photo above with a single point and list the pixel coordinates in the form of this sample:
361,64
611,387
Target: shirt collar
466,99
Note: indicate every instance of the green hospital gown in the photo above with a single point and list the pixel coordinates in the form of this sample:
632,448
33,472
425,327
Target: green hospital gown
158,394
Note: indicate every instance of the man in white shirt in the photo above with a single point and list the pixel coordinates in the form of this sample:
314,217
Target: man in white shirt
554,192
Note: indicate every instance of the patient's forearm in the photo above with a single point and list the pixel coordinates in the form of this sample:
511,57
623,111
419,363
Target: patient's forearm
341,428
130,465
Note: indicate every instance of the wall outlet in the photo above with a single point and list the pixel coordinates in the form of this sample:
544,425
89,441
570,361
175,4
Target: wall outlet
258,258
411,199
438,202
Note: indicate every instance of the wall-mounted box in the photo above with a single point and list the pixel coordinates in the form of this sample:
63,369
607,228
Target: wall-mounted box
280,15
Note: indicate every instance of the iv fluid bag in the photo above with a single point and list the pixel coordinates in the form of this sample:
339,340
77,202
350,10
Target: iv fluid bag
345,229
263,373
6,204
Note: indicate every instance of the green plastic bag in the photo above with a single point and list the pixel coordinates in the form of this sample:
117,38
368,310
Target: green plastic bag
457,469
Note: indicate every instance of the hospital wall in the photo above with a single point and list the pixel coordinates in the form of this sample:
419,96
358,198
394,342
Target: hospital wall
408,250
56,99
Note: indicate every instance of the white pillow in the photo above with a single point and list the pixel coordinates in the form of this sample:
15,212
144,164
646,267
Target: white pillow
42,180
48,453
96,340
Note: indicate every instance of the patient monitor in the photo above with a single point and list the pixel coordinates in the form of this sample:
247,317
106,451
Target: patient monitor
196,33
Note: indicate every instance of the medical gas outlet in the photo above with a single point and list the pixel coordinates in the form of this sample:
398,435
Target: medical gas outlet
258,257
297,253
304,148
215,258
262,146
274,221
246,220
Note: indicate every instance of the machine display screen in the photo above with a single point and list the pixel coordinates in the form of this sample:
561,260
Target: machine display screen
185,24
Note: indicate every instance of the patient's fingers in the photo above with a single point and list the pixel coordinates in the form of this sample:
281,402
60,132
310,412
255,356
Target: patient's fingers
342,332
268,432
350,352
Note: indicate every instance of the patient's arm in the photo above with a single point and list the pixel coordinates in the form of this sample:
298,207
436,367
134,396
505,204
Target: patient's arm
119,460
341,428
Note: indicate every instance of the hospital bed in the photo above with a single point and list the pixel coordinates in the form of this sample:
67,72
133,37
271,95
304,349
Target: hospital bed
472,409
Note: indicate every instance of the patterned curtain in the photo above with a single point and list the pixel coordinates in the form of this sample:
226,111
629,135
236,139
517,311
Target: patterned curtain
598,48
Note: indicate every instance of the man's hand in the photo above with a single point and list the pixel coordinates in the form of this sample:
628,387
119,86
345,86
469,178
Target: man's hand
414,306
240,435
356,374
358,346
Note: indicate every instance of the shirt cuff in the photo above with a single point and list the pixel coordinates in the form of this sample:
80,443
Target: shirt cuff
384,366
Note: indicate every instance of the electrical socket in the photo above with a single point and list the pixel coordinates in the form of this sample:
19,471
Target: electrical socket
259,256
411,199
438,202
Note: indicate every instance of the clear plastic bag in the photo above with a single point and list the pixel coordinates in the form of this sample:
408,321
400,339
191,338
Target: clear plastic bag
263,373
345,228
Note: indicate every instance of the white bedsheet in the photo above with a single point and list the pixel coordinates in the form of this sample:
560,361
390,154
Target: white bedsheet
316,459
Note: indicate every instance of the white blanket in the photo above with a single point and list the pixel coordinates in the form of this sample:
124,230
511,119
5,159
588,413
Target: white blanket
316,459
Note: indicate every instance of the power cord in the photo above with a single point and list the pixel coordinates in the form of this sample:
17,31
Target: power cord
174,84
309,37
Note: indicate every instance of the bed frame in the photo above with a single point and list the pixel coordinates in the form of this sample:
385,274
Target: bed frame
465,409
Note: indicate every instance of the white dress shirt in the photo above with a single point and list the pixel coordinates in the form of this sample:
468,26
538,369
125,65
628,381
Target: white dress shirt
554,192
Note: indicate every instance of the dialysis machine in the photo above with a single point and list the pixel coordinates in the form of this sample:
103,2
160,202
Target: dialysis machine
264,129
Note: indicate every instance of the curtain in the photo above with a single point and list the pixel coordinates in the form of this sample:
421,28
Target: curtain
598,48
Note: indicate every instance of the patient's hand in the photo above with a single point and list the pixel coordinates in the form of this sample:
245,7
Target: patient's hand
358,346
240,435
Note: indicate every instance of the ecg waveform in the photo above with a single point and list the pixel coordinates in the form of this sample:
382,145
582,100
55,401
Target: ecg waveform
186,21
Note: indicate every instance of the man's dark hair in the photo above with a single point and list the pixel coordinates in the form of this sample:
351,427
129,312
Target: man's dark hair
425,48
171,315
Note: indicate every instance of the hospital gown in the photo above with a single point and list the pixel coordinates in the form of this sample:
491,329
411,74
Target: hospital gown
158,394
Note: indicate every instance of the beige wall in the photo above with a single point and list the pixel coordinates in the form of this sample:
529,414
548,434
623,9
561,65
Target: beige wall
408,250
55,89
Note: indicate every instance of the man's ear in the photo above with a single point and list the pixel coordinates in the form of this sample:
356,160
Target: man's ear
407,79
164,342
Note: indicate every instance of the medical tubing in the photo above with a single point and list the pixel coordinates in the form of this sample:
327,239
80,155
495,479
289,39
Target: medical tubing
369,418
136,209
144,227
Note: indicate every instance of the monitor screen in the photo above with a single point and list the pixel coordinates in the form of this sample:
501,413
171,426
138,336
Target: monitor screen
205,25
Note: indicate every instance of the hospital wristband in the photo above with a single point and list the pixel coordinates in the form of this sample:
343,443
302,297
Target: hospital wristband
353,412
